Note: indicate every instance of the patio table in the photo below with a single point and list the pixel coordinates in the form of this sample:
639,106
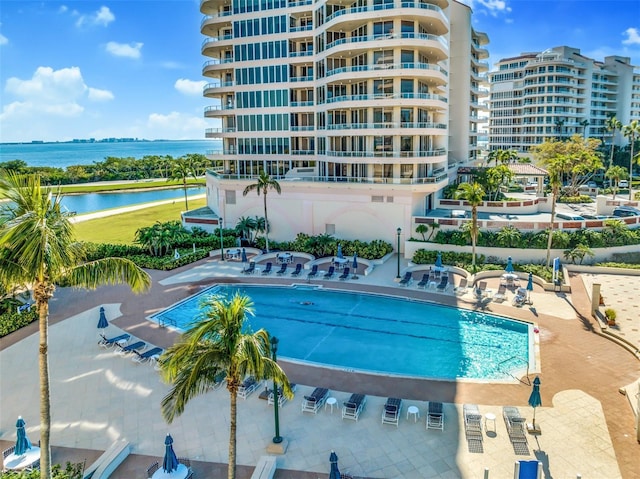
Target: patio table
16,463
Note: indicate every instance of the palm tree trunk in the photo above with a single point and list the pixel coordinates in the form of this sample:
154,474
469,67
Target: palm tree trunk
231,471
184,186
553,217
42,303
474,234
631,169
266,220
613,136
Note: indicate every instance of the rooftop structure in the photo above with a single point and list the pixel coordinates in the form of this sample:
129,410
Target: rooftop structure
362,111
558,93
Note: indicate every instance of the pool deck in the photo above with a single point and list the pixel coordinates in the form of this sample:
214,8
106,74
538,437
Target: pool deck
587,424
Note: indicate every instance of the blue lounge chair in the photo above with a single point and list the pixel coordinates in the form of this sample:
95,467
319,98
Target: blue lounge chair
267,269
330,272
109,342
391,411
315,400
314,271
408,277
528,470
250,269
296,272
147,355
282,270
352,408
444,282
345,274
424,282
124,350
435,416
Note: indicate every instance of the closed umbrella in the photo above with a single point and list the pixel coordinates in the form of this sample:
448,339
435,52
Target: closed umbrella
244,258
439,260
22,443
335,472
170,461
529,287
535,400
339,255
355,266
102,322
509,267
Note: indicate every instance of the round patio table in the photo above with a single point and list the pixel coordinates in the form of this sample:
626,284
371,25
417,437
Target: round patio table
181,473
16,463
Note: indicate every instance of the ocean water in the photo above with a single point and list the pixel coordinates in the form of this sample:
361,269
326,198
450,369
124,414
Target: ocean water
61,155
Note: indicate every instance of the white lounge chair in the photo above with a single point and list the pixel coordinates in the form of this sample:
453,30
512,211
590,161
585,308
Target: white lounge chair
352,408
391,411
248,386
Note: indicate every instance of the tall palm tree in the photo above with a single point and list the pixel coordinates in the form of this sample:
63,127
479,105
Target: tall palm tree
215,344
612,124
556,168
38,247
472,193
631,131
503,157
584,124
559,124
616,173
182,170
263,185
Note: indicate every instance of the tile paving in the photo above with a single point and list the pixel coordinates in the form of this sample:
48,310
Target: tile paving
98,397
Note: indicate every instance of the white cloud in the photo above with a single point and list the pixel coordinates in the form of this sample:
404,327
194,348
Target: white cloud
633,37
63,9
100,95
491,7
102,17
175,125
3,40
190,87
131,50
46,95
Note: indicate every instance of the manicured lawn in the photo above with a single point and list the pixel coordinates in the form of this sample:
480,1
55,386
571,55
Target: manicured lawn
121,228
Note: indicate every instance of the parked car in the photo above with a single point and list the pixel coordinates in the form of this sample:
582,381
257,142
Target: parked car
595,217
623,184
626,211
569,217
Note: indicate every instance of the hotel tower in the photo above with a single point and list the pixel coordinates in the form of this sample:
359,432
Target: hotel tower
361,110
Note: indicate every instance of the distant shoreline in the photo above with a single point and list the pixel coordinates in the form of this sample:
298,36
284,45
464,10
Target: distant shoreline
79,141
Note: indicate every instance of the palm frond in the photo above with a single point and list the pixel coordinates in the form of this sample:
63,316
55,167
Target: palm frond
108,271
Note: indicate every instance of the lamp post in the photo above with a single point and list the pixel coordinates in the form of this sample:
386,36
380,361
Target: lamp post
399,230
221,239
277,439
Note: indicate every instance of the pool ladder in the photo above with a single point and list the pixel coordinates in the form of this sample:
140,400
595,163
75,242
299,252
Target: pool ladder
518,360
168,321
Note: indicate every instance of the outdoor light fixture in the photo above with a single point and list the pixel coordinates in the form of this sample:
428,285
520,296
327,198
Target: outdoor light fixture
277,439
399,231
221,239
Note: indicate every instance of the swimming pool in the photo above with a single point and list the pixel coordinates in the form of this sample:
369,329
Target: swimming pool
382,334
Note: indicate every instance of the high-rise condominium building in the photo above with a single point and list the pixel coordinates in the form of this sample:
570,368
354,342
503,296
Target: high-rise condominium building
558,93
361,109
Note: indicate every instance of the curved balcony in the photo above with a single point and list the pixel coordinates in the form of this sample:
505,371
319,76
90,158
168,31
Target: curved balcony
209,6
434,43
400,157
409,9
212,68
400,99
214,89
211,23
215,111
416,70
213,46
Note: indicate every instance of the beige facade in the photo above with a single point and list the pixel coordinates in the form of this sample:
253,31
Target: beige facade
348,105
558,93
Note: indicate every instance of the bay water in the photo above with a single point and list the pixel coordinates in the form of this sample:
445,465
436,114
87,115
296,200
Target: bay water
62,155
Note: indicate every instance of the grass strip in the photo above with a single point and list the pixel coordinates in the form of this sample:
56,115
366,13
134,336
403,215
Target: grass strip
121,228
127,185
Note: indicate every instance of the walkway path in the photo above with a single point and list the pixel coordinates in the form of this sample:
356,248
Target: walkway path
587,424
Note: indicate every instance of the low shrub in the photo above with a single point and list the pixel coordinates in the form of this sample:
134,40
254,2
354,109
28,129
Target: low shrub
11,321
575,199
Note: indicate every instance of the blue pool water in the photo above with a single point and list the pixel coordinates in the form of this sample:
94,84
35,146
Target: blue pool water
376,333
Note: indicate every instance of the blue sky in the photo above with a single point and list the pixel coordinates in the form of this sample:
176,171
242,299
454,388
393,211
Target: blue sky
132,68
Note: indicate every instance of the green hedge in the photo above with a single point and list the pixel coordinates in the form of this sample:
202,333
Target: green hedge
11,321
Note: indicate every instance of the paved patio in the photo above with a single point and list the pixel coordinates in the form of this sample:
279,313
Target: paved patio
97,397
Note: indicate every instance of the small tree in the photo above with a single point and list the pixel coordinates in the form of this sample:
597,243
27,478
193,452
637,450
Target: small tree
616,173
473,194
262,186
421,229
